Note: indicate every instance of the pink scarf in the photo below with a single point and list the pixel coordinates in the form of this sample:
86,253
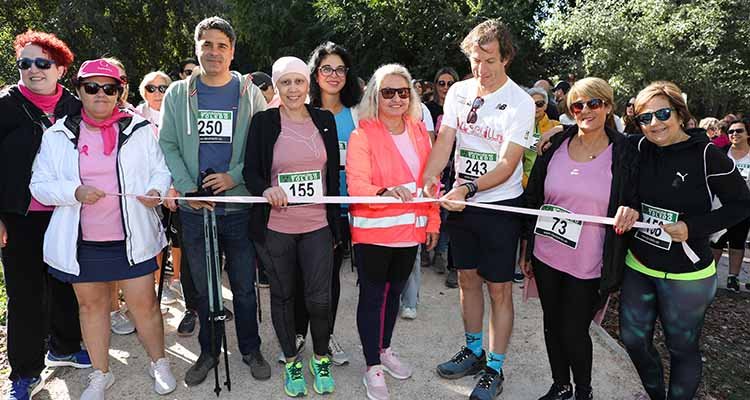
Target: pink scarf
109,133
46,103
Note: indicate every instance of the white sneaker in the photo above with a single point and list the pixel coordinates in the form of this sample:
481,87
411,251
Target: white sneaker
168,296
409,313
164,381
98,383
338,355
120,323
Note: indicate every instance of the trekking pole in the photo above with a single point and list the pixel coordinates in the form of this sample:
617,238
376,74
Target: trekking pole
219,313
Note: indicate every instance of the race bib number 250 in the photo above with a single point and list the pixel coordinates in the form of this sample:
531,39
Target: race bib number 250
215,126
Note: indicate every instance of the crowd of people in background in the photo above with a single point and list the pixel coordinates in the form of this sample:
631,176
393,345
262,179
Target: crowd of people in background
92,254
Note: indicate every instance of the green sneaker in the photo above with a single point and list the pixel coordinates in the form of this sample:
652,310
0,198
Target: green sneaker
321,370
294,379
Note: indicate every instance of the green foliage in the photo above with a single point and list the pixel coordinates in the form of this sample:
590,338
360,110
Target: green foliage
700,45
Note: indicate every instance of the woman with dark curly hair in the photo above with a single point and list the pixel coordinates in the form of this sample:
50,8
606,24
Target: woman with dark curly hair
28,109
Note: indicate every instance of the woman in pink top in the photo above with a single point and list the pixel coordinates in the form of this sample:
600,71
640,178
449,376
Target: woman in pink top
95,236
27,110
589,169
292,151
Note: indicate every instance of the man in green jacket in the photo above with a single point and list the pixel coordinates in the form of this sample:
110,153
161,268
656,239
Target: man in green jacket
205,123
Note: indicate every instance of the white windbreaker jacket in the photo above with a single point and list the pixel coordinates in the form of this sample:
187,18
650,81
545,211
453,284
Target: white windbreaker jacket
56,176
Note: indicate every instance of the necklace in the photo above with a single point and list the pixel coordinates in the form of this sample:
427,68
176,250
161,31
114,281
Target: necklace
591,151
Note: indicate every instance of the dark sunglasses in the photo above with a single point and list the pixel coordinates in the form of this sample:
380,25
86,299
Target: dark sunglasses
593,104
471,118
188,72
733,131
646,118
445,83
328,70
388,93
153,89
540,103
631,104
41,63
110,89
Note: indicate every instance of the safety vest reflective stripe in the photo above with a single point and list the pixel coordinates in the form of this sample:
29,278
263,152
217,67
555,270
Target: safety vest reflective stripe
386,222
412,186
421,222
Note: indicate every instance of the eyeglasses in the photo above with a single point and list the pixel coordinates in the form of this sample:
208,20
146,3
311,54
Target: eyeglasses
630,104
540,103
188,72
445,83
340,71
662,115
471,118
593,104
153,88
41,63
388,93
110,89
733,131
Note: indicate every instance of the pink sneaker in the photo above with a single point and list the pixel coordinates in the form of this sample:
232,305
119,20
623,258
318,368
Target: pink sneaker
374,381
394,366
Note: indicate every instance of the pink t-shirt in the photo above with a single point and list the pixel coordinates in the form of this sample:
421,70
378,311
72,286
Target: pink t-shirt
583,188
409,154
298,149
101,221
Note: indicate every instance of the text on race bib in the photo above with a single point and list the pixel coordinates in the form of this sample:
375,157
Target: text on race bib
302,184
473,164
563,230
656,236
744,169
342,153
215,126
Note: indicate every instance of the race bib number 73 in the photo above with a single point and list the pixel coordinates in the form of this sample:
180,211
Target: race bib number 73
563,230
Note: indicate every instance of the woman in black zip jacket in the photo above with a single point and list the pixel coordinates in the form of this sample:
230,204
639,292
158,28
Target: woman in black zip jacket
670,271
292,151
27,110
592,169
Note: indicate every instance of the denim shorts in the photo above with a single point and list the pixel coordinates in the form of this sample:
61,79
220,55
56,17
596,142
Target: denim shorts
105,262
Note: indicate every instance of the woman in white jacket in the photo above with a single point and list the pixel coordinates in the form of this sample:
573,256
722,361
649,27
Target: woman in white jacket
95,236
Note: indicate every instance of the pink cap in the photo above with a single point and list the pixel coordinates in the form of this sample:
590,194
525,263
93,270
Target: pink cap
286,65
99,67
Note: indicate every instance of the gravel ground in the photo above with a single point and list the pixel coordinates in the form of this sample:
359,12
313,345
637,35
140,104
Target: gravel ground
433,337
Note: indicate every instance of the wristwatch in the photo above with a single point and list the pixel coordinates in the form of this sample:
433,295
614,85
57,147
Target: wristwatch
472,188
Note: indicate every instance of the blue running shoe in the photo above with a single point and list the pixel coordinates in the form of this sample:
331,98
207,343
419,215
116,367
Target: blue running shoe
76,360
25,388
462,364
490,385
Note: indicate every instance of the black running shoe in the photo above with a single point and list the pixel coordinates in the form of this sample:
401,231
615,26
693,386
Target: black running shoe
558,392
489,386
461,364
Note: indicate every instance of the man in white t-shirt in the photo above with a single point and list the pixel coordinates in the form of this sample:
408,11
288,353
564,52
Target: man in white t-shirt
491,120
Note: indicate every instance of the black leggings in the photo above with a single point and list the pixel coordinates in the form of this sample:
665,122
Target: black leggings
383,272
38,304
569,305
286,256
302,318
680,306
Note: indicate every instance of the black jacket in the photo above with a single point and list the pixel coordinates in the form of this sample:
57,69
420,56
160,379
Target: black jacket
21,127
623,193
265,128
685,177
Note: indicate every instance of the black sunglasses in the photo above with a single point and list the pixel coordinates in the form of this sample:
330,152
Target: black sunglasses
593,104
540,103
388,93
328,70
662,115
188,72
471,118
110,89
41,63
153,88
445,83
733,131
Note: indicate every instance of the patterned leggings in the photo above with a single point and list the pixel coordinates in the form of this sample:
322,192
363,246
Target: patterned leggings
680,306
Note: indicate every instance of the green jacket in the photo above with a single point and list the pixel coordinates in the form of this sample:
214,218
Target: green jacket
178,135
